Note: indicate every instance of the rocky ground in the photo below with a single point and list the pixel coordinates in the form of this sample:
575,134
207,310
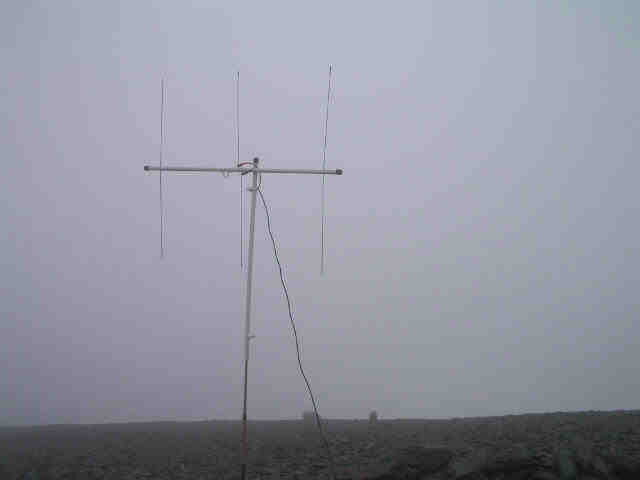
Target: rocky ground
582,446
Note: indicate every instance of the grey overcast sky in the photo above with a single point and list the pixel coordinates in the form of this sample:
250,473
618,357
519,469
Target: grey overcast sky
482,245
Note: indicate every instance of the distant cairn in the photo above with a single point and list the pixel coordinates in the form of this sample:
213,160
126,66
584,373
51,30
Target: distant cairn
373,417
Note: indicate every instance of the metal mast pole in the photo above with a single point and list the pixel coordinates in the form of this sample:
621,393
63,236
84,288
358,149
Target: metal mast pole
247,322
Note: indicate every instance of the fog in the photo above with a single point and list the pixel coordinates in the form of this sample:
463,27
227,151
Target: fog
481,247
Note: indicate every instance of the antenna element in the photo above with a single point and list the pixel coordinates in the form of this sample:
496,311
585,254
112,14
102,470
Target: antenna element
160,171
238,164
324,166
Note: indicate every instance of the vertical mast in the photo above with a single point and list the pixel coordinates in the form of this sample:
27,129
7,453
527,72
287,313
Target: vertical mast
247,324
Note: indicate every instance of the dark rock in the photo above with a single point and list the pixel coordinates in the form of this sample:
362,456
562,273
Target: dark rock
508,462
465,466
596,468
543,475
426,459
519,475
582,452
415,462
513,459
565,466
473,476
624,466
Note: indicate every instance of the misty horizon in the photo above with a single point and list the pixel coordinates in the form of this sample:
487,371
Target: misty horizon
481,246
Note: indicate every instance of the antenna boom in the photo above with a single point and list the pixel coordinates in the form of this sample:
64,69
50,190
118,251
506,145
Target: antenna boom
151,168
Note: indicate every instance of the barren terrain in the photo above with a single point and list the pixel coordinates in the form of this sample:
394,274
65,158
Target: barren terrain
586,445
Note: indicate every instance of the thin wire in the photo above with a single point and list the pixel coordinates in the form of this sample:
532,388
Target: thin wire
238,163
160,171
324,163
295,335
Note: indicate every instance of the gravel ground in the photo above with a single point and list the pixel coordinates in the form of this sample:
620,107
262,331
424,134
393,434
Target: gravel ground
538,446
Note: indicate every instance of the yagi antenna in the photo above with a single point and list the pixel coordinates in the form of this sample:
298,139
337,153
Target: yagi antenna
244,168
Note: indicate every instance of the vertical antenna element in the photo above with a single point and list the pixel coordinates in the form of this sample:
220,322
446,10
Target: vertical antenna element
238,164
160,172
324,163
